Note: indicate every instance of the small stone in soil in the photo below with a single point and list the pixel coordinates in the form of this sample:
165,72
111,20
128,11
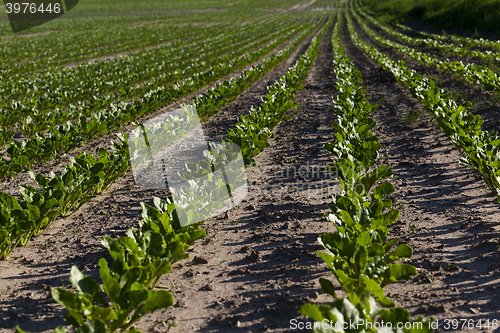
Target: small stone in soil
208,287
254,256
245,249
199,261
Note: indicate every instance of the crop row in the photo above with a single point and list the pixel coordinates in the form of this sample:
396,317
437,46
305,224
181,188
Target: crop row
458,40
171,129
480,149
145,254
77,40
476,74
445,37
40,101
359,253
96,86
87,175
63,138
140,259
459,50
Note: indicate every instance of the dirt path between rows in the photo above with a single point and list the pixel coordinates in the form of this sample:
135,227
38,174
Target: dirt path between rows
448,215
29,274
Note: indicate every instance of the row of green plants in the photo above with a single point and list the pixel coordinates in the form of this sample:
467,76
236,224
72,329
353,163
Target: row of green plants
458,40
476,74
456,49
58,195
359,253
221,94
145,254
48,99
33,117
86,176
140,259
63,138
480,149
35,103
81,39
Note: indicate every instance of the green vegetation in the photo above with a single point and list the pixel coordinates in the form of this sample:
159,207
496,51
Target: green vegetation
473,15
145,254
359,252
54,109
479,148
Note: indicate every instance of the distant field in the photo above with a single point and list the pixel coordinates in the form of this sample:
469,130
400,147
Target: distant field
482,15
131,11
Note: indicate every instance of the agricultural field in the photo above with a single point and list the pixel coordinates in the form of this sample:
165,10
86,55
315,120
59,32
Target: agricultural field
251,166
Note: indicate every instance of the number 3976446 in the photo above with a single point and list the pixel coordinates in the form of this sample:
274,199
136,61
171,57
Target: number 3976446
32,8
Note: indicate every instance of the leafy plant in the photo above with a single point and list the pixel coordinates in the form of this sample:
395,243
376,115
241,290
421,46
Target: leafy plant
359,253
140,259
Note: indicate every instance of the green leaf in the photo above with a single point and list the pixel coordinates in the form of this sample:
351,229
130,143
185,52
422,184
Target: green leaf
82,282
383,190
360,258
72,302
404,251
398,272
111,285
126,280
311,311
153,243
327,287
403,271
67,298
156,299
93,326
104,314
132,299
364,238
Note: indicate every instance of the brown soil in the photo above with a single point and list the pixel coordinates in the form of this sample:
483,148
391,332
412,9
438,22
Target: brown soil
258,263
